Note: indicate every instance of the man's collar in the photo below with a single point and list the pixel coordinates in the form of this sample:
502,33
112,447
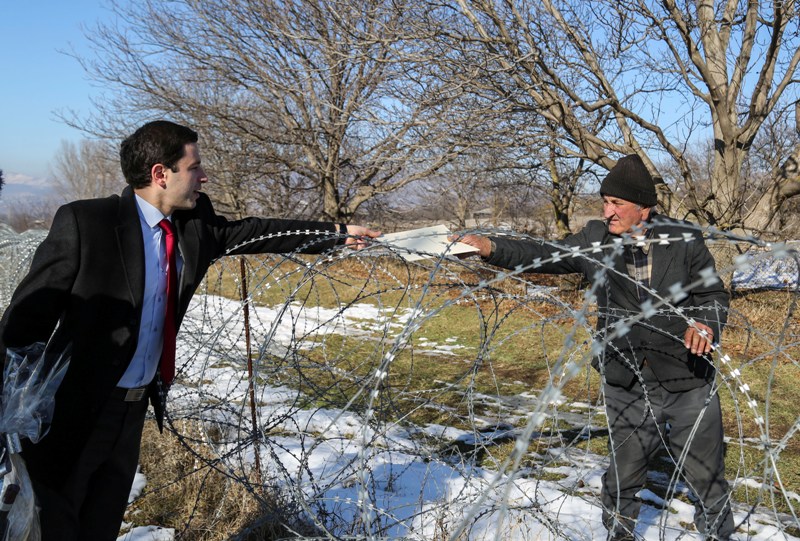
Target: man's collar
643,232
147,212
646,232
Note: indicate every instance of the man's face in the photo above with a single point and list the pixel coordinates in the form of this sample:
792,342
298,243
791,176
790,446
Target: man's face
623,216
184,184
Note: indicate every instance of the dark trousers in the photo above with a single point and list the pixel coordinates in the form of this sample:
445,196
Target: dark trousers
90,505
637,420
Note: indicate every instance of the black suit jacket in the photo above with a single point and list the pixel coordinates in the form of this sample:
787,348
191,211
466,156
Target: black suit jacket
85,288
657,338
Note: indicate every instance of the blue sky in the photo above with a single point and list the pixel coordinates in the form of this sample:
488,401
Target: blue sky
37,80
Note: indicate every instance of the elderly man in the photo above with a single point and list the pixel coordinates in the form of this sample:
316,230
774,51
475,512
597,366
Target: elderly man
111,284
656,371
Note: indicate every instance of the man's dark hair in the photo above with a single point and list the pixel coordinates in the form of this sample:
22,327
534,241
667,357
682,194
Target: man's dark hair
160,141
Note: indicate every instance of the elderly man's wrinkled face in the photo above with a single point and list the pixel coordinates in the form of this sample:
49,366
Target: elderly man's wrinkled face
623,216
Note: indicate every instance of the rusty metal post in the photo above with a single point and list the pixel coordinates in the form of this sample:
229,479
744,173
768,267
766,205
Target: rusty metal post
251,385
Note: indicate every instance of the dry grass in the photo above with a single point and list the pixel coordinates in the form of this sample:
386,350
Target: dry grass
186,493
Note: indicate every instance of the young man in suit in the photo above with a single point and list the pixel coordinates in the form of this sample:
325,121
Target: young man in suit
659,371
111,284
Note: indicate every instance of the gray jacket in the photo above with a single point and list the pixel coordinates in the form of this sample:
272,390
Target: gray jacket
658,337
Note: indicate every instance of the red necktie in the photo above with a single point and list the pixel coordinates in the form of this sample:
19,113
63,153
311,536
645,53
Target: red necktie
170,329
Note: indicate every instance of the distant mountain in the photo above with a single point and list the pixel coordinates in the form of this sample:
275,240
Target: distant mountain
19,186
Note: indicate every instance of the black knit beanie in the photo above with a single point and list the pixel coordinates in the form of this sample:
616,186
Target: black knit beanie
630,180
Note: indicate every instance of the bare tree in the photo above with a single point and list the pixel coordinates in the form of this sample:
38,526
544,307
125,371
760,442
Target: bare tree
535,164
772,173
29,213
566,181
86,170
652,78
508,182
460,192
304,105
776,140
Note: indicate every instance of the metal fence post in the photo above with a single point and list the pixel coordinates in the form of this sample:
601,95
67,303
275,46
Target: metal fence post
250,376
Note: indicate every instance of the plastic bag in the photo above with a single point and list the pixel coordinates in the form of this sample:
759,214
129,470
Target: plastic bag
22,519
31,377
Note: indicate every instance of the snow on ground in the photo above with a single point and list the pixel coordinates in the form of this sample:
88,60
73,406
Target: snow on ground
771,268
149,533
350,472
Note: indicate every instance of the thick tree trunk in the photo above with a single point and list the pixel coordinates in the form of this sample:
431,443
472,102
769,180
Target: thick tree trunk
786,184
725,200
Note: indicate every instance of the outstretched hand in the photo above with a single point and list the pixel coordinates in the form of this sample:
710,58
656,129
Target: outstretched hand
483,244
358,236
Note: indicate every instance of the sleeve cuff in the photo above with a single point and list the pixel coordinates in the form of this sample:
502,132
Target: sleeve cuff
342,230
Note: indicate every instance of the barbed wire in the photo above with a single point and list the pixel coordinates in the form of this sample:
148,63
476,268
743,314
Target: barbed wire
448,399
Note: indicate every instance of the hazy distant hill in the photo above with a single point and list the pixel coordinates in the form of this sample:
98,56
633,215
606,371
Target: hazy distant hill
19,187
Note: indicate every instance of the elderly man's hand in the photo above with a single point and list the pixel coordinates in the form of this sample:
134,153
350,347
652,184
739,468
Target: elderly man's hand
698,338
357,236
483,244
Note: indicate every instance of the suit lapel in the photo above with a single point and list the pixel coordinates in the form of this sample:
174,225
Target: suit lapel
188,244
131,245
